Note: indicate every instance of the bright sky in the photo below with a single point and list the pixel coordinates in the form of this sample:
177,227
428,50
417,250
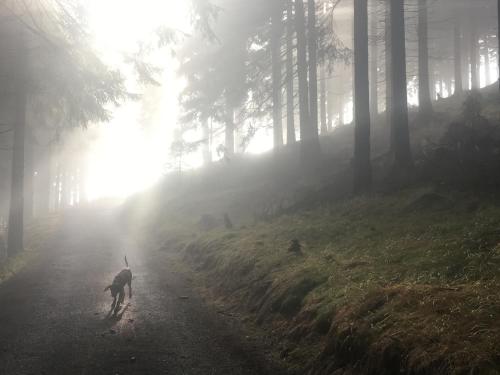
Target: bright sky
128,155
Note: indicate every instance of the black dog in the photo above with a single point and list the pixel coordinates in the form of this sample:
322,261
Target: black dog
117,288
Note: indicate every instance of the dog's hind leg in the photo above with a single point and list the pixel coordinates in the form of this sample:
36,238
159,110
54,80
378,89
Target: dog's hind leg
121,298
114,302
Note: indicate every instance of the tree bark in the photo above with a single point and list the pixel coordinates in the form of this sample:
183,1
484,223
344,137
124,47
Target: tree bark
313,67
388,84
16,213
424,94
459,87
433,74
330,105
290,102
305,132
498,40
29,174
465,61
474,66
399,114
362,163
322,101
302,69
374,60
276,33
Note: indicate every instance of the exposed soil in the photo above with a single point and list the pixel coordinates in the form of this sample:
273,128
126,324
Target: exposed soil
54,315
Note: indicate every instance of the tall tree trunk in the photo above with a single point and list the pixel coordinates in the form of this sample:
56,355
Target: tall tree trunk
388,57
290,102
29,174
498,40
305,133
374,60
399,114
433,74
229,134
16,213
474,66
458,58
276,32
424,94
465,61
362,163
322,101
313,67
330,105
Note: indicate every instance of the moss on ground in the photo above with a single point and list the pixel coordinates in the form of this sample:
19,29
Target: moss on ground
381,277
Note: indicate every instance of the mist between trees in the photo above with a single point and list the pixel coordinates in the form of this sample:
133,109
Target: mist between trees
253,71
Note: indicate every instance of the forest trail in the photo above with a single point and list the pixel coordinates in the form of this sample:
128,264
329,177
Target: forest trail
54,314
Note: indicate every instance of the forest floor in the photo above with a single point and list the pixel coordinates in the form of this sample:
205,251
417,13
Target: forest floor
54,315
403,280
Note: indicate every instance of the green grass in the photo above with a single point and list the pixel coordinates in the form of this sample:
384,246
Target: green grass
384,283
387,265
37,237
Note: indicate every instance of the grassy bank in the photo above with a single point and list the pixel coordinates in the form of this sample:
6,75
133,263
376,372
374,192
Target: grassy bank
403,281
38,234
381,283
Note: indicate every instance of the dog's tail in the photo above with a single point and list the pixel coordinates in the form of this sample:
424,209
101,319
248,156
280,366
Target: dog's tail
126,261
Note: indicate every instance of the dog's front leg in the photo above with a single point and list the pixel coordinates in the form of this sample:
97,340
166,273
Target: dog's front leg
121,297
114,303
130,289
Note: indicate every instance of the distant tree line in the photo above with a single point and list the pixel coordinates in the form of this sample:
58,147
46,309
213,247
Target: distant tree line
290,64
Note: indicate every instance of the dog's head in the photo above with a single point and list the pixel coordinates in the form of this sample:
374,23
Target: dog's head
113,288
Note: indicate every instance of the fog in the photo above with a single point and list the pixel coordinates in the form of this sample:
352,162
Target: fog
149,122
249,187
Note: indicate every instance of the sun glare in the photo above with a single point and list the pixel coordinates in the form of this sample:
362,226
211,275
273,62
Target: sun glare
129,154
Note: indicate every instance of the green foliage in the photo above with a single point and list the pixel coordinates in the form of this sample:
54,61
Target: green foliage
227,63
67,82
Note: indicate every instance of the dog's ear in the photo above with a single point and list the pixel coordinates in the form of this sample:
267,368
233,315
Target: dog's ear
107,288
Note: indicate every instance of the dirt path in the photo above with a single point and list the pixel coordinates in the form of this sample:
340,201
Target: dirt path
53,316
